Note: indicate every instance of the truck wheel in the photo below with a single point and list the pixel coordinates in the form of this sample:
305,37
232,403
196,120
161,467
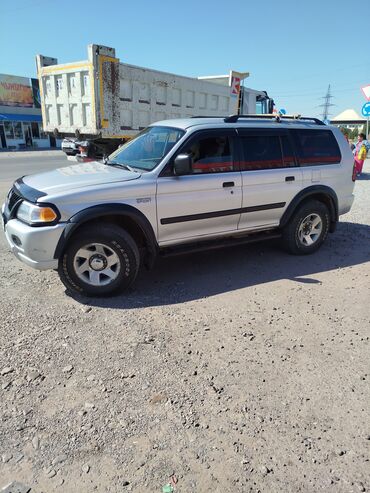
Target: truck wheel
99,261
307,228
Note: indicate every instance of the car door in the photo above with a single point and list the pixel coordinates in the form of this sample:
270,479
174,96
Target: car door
270,176
207,201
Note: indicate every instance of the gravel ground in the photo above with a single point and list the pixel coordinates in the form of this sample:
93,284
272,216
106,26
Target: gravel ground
241,370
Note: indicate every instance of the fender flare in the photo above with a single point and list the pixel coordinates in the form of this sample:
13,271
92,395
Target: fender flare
309,192
98,211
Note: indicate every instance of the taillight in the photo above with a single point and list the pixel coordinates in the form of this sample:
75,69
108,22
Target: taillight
354,172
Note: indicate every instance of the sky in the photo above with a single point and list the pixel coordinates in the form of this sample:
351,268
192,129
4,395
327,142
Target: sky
293,49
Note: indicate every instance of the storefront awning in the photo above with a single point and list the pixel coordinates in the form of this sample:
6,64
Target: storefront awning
20,118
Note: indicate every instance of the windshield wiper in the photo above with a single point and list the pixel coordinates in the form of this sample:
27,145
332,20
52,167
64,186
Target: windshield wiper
121,165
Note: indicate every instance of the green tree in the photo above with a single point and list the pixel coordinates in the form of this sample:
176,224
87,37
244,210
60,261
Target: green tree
346,131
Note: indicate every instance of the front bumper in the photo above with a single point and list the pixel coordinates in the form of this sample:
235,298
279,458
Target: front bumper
34,246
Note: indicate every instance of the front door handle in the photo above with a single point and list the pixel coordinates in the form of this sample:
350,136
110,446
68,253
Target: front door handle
289,178
227,184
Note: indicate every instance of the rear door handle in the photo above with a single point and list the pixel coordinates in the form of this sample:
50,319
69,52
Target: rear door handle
289,178
227,184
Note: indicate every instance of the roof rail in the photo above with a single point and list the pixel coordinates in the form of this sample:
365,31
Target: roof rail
209,116
276,117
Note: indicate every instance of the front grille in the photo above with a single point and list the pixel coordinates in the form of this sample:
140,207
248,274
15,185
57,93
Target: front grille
13,198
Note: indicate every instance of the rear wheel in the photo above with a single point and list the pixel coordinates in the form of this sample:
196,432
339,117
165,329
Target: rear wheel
99,261
307,229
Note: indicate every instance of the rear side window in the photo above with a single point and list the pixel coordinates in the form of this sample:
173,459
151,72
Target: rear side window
266,152
316,147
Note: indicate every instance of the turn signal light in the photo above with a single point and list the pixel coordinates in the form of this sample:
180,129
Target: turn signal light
47,214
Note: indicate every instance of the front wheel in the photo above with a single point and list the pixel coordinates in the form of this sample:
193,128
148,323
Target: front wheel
99,261
307,229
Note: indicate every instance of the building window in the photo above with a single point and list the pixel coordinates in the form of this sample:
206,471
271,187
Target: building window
18,131
35,130
27,133
9,131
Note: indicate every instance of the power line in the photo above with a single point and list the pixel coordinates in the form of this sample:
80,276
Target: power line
320,74
351,86
288,96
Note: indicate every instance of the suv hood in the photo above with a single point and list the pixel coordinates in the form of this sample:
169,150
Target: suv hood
78,176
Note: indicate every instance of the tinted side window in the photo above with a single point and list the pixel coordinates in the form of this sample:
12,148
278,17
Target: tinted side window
210,154
261,152
288,154
315,147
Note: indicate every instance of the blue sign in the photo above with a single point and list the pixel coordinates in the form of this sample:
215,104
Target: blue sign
366,110
282,111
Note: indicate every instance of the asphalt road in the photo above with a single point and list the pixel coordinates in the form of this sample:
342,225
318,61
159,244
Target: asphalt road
16,164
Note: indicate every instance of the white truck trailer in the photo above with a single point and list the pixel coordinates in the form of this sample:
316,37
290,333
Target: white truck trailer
104,102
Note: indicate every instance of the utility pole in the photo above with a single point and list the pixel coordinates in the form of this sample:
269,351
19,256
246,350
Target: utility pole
326,105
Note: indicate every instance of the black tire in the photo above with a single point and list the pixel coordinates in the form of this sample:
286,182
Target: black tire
294,238
103,242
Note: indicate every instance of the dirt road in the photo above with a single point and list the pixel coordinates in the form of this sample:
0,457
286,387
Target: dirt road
241,370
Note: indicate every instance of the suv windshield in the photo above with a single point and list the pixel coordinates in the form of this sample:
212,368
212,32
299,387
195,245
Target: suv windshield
148,149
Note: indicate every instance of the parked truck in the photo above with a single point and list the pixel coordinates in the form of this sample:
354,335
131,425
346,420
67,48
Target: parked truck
99,103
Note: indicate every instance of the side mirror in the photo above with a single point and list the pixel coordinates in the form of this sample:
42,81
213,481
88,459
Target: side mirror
182,165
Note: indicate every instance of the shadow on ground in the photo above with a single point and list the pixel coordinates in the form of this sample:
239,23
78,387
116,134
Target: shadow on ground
196,276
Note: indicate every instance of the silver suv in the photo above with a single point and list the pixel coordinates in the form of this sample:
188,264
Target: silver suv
182,185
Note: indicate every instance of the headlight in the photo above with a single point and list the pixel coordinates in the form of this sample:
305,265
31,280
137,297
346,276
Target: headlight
35,214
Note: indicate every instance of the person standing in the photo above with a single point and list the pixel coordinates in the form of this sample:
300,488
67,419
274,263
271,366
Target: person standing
360,152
